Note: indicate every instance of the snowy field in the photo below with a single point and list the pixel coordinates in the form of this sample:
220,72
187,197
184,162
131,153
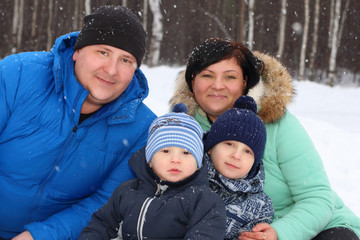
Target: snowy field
330,115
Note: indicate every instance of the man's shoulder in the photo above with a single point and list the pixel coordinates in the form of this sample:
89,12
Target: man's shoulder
144,113
27,68
28,58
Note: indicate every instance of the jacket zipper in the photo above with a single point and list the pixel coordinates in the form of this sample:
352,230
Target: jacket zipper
141,220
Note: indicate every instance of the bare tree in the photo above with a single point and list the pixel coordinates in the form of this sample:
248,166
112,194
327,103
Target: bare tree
21,25
334,42
331,23
18,25
315,39
15,17
242,20
87,7
218,21
343,19
304,40
76,16
49,26
145,14
282,23
34,19
157,32
251,24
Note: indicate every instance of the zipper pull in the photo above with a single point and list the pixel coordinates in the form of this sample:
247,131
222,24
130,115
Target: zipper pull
160,189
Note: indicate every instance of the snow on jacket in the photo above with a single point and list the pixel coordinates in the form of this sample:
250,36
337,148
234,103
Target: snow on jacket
245,201
146,208
54,172
295,178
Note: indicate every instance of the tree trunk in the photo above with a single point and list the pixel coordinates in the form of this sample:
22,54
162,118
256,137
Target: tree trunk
15,26
145,15
87,7
304,41
251,24
343,19
34,20
315,40
124,3
157,33
21,26
282,23
334,42
76,16
331,23
242,20
49,29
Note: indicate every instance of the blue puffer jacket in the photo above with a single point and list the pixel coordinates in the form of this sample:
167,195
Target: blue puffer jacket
54,172
145,208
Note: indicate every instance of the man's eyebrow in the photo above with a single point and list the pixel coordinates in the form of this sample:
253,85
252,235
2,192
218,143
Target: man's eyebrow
126,55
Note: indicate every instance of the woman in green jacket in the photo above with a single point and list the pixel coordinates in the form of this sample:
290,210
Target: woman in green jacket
217,73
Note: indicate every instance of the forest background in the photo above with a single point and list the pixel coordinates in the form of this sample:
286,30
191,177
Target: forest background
317,40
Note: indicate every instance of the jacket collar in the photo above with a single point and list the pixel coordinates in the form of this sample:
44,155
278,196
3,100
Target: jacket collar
272,94
241,185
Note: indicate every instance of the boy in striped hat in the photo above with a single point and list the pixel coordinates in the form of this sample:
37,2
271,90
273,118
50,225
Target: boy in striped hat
170,198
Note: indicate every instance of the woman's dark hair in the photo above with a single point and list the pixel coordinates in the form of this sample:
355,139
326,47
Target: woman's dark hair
214,50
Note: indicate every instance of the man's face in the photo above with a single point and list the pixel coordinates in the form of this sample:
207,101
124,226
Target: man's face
104,71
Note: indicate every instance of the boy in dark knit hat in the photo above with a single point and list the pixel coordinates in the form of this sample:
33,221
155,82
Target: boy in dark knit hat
234,149
70,119
170,199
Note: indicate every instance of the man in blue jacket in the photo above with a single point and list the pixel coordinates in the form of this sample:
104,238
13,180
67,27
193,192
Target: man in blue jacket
69,121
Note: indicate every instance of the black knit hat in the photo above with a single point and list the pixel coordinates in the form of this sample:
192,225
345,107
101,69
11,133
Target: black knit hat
116,26
214,50
240,124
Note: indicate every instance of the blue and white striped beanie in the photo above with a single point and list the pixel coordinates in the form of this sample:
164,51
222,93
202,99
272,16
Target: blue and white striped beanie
175,129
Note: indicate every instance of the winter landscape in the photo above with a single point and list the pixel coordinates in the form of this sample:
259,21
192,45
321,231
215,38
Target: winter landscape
330,116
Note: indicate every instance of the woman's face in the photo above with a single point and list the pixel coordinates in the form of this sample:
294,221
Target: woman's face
217,87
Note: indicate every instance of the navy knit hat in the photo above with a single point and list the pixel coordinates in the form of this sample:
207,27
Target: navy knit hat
243,125
176,129
116,26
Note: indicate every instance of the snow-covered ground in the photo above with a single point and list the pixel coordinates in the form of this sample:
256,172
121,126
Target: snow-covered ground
330,115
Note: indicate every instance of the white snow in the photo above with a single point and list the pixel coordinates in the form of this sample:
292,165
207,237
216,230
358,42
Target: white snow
330,116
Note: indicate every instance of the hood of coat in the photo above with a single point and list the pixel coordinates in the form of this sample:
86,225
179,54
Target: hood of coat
272,94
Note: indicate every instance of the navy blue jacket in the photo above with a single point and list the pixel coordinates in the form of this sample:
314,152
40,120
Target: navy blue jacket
55,172
144,209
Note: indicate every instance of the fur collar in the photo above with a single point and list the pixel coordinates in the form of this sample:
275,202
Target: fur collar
272,94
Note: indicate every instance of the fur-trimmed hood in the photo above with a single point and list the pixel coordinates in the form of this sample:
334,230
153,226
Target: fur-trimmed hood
272,94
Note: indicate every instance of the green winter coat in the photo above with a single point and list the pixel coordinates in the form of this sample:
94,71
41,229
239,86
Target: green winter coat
295,178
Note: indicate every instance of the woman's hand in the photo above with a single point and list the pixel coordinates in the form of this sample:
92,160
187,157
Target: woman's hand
23,236
260,232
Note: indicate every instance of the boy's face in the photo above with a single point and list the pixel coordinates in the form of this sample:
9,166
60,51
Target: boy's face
104,71
173,164
232,159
